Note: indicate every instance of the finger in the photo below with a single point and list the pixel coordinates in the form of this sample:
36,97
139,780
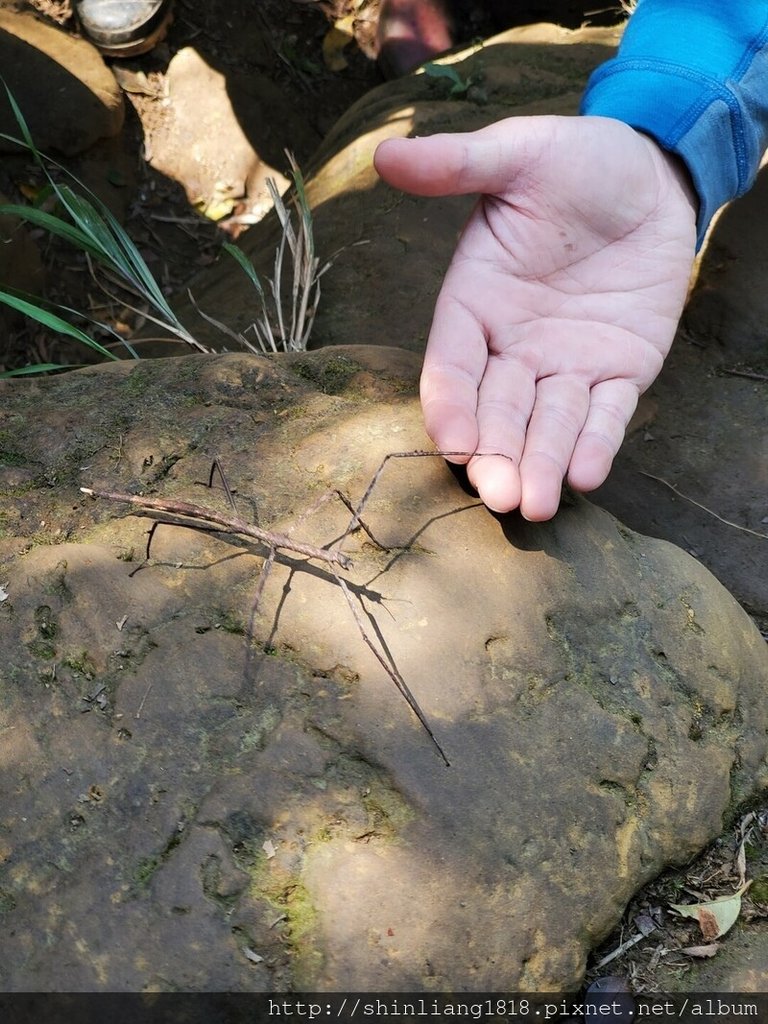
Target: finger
505,401
496,479
612,403
454,363
463,163
559,414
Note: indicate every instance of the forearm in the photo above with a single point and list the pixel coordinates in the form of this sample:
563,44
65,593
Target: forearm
693,74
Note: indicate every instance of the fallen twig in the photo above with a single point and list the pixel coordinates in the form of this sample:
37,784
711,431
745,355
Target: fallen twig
616,953
709,511
732,371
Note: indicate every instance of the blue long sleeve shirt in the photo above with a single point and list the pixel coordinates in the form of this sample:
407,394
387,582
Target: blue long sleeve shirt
693,74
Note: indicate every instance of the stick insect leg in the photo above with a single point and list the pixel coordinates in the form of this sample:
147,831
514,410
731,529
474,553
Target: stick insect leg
356,521
217,467
263,577
200,527
391,669
322,500
150,535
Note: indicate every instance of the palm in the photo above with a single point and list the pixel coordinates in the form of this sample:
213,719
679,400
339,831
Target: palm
561,300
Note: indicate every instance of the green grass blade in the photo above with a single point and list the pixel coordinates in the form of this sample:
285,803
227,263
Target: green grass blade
53,323
139,271
95,231
55,225
104,327
99,232
86,217
20,120
26,371
239,257
12,138
91,219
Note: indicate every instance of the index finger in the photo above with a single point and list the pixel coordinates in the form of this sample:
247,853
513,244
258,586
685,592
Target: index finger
454,364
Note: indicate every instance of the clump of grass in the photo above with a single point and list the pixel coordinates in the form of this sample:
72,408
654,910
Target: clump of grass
90,227
288,308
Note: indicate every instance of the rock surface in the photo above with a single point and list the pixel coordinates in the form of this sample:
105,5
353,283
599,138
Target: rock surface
217,763
66,93
201,102
169,789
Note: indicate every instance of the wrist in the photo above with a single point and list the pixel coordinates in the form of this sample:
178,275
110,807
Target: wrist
674,173
678,169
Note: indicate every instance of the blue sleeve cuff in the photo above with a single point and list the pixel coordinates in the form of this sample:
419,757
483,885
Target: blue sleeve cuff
693,74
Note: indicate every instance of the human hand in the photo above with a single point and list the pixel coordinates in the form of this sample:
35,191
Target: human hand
561,300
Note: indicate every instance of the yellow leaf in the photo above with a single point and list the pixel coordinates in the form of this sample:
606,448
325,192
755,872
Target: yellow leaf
218,205
29,192
336,39
715,918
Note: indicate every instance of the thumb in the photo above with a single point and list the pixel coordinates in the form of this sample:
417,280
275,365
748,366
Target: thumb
486,161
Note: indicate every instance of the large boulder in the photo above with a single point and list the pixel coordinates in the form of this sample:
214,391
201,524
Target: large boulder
191,800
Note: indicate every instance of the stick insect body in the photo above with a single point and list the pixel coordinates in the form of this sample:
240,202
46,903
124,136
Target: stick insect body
334,558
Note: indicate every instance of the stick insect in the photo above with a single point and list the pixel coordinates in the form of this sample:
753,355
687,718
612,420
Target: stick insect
335,560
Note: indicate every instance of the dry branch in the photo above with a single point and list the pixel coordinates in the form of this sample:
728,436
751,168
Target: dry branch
704,508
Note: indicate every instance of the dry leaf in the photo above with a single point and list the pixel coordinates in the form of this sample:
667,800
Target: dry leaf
336,40
745,834
701,951
741,862
218,205
645,924
716,917
136,82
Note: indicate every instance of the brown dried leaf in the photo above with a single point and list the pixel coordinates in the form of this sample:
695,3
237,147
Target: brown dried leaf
701,951
741,862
